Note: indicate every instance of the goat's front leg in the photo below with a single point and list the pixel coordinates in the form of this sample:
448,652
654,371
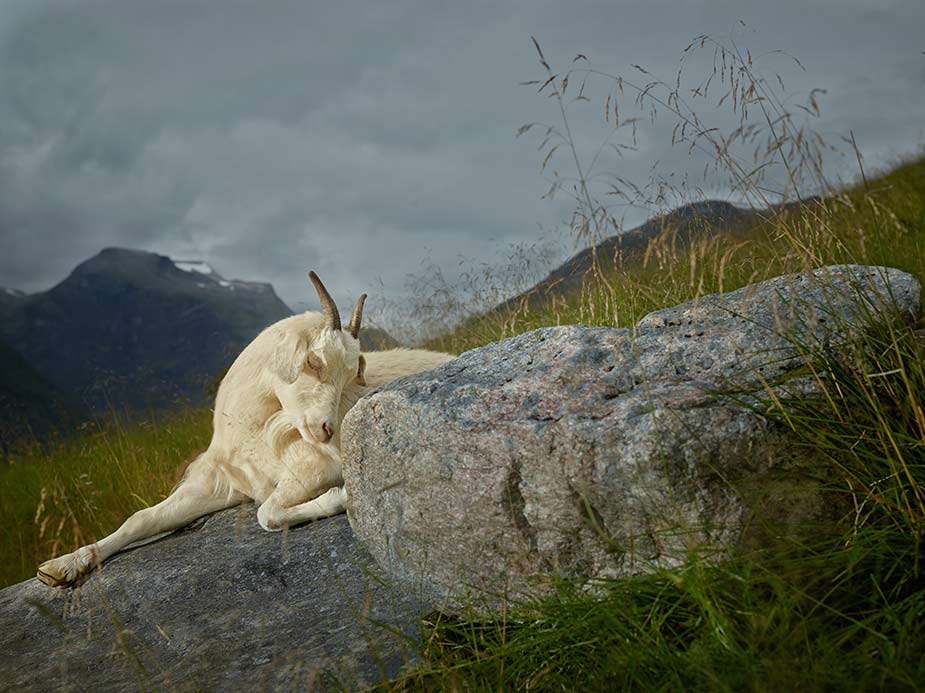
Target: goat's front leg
196,496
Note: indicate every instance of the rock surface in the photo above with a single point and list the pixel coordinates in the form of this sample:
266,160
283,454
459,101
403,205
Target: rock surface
598,452
220,605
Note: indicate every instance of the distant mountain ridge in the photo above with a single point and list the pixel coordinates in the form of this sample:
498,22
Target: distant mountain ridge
132,329
129,329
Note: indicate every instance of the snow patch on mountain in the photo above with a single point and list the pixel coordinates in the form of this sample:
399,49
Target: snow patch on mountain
204,269
195,266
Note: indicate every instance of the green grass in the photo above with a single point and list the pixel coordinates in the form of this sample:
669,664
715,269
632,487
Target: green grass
79,490
836,619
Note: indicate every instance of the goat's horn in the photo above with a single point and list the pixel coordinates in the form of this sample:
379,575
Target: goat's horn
328,307
357,317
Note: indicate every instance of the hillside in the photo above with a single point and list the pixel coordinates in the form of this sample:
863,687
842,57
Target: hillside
30,406
714,215
376,339
10,300
682,225
847,615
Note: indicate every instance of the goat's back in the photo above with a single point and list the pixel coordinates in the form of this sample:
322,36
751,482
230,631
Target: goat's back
384,366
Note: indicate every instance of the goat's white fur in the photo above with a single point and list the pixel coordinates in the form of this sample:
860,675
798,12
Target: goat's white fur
269,441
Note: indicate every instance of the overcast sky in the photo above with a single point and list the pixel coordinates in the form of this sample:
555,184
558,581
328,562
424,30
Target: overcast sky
268,138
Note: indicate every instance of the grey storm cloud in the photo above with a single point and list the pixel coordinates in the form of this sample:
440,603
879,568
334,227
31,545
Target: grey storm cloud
360,138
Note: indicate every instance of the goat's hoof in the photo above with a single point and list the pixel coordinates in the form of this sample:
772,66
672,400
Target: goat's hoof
65,570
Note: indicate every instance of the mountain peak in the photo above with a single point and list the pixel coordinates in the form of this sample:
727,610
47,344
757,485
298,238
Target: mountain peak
122,261
137,329
143,268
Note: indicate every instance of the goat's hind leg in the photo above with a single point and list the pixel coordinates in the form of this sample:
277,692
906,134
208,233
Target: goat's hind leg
280,511
311,488
201,492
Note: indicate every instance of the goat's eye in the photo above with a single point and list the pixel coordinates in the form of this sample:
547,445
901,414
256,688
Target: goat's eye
314,363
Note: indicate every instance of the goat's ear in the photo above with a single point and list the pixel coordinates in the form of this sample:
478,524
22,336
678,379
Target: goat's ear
361,371
289,357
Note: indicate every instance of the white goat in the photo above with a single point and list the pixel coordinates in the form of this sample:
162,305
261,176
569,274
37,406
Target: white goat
276,432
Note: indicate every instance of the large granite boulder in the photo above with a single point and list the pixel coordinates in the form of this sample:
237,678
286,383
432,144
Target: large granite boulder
593,452
221,605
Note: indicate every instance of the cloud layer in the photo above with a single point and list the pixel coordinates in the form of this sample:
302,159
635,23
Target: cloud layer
360,138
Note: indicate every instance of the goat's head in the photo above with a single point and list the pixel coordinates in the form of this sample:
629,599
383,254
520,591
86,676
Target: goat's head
314,365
